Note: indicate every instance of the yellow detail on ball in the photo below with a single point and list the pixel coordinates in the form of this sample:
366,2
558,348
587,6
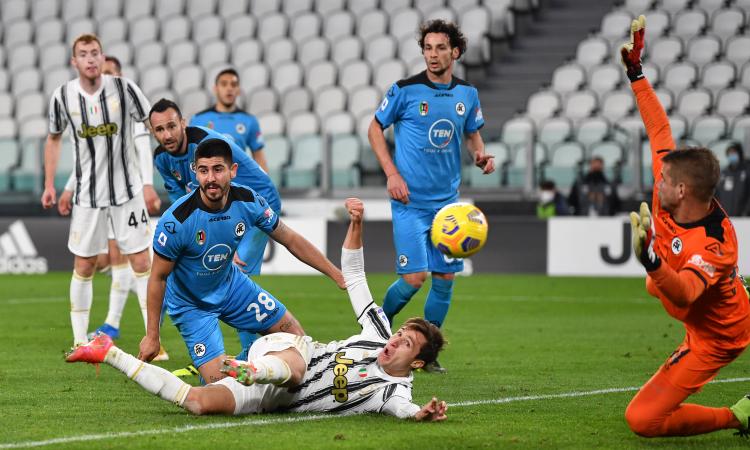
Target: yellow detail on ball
459,230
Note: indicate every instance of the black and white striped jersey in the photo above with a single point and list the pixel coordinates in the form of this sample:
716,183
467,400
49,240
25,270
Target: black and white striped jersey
106,167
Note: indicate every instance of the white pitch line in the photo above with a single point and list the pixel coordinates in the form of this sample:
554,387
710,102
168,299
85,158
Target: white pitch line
274,421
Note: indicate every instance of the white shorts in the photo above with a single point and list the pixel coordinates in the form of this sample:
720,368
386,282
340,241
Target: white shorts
261,398
129,223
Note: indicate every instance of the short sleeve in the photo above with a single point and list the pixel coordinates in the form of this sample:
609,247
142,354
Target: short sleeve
265,217
389,109
254,137
58,120
475,121
167,238
138,105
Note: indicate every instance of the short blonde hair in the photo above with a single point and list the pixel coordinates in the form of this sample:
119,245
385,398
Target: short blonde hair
86,38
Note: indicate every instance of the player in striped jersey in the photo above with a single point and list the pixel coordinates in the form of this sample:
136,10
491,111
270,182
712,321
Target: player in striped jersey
100,111
369,372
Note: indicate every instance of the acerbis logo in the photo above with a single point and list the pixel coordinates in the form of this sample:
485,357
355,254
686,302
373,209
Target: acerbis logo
216,257
441,133
18,253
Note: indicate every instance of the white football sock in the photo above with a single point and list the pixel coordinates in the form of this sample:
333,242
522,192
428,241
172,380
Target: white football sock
141,289
270,369
118,294
81,295
152,378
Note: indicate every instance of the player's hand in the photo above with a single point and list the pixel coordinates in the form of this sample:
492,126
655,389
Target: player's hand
433,411
240,263
355,208
65,203
49,197
153,202
485,162
397,188
338,277
642,235
149,348
631,51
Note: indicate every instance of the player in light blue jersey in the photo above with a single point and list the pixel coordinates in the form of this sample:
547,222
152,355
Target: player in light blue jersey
430,112
193,273
228,119
174,159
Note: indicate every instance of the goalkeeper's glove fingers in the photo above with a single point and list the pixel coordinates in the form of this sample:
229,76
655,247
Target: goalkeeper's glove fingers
642,235
631,51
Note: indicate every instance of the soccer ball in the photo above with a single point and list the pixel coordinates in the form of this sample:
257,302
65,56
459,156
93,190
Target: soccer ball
459,230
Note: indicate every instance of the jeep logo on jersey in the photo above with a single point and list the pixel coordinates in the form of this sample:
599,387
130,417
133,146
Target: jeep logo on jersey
90,131
239,229
441,133
340,382
216,256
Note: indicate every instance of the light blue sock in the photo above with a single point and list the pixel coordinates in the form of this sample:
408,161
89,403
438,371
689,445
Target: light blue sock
397,296
246,340
438,301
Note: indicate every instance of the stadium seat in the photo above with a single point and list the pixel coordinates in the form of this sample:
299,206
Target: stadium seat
340,122
542,104
637,7
327,7
592,130
580,105
9,156
77,27
18,32
475,23
26,80
296,7
6,105
355,74
13,10
305,26
320,74
262,100
240,28
744,79
303,169
679,126
445,13
4,79
709,6
612,152
111,30
689,23
194,101
345,50
666,98
605,78
41,10
165,10
175,29
277,150
294,100
233,8
279,51
693,103
592,51
272,26
75,9
737,50
345,156
254,76
286,75
702,50
679,76
616,26
727,23
28,176
142,30
8,128
364,101
247,52
387,73
23,56
565,163
338,25
708,129
372,23
517,131
652,72
329,100
53,55
426,6
665,51
148,55
271,123
213,54
51,31
30,105
477,179
554,130
741,129
139,9
155,79
717,76
517,169
181,53
201,8
657,24
568,78
410,52
187,78
617,104
301,124
207,28
361,6
313,50
674,7
380,48
731,103
502,23
404,22
265,7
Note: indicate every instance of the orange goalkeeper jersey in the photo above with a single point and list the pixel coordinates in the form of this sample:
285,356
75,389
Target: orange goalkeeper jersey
720,318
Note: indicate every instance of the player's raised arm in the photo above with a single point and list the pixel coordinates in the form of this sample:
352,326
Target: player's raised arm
653,114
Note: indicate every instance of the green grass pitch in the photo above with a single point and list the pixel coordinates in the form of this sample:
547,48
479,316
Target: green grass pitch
526,358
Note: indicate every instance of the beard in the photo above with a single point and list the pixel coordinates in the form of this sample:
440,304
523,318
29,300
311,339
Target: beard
215,195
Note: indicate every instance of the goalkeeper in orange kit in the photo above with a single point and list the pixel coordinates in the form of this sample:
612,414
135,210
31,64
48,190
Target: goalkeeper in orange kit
689,249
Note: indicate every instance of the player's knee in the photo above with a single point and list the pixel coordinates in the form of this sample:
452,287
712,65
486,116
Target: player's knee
415,280
196,403
140,262
640,422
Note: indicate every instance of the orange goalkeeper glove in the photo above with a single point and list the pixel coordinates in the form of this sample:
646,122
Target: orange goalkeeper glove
631,51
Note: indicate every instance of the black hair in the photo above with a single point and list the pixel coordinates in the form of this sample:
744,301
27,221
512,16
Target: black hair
547,185
214,147
229,71
114,60
164,104
455,36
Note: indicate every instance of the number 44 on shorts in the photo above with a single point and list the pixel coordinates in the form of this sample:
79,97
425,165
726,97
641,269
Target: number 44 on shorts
133,222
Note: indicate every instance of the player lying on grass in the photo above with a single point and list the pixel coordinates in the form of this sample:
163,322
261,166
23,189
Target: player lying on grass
689,250
368,372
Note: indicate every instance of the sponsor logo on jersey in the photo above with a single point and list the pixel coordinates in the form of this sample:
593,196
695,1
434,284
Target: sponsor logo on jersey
423,108
200,237
240,128
176,175
384,104
441,133
239,229
403,260
479,116
91,131
460,108
715,248
219,218
676,246
443,94
18,254
216,256
162,239
192,166
199,349
268,214
169,226
339,391
699,262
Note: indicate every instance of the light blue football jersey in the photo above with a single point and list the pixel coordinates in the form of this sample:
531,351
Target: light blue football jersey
241,126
